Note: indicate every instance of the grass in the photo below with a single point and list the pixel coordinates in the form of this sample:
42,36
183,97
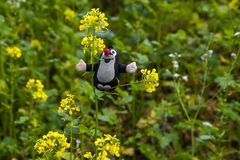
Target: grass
192,114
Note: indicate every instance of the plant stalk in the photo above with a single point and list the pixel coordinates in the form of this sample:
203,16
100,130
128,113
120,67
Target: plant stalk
71,137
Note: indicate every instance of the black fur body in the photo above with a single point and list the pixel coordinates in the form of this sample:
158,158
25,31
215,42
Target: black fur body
106,72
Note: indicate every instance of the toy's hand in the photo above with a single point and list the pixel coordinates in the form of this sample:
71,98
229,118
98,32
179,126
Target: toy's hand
131,68
81,66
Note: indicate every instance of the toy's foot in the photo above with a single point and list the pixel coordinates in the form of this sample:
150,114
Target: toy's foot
100,86
106,87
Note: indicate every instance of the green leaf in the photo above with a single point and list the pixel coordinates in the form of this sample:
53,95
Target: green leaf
145,46
67,129
10,144
108,115
66,156
206,137
82,129
231,113
88,90
24,136
164,141
22,120
125,100
148,151
184,156
226,81
142,59
2,19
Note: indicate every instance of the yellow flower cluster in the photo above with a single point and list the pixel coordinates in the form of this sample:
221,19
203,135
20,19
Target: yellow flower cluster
234,4
95,20
36,87
107,144
35,43
69,14
150,79
14,52
88,155
53,142
93,43
68,105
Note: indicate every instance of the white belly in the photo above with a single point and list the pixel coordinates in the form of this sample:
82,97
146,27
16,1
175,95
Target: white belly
106,71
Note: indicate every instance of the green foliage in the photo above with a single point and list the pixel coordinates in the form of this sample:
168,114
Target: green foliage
190,119
226,81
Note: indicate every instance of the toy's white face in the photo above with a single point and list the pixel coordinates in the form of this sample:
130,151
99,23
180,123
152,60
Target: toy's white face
111,56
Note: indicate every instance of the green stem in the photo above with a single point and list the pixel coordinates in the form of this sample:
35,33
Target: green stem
4,116
177,86
94,90
134,116
180,99
2,74
96,107
71,137
204,84
47,58
219,90
192,138
206,68
205,77
80,149
11,129
136,82
11,109
234,61
202,93
95,96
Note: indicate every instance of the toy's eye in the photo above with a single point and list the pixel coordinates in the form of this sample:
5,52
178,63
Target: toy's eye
113,52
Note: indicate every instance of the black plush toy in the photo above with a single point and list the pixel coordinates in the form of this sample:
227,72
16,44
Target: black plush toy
107,70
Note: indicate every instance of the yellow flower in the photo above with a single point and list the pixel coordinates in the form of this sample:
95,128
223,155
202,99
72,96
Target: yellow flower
35,43
109,144
53,142
36,87
34,122
31,83
68,105
92,43
150,79
93,20
102,155
234,4
69,14
14,52
88,155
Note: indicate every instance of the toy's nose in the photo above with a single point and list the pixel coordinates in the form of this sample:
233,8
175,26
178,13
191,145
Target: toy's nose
107,52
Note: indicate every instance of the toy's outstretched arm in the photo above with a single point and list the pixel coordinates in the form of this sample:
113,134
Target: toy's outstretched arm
82,66
130,68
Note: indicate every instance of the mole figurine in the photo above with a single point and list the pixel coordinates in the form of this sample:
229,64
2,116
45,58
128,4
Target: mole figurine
107,70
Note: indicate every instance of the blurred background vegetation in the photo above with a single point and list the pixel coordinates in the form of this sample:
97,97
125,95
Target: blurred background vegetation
149,126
